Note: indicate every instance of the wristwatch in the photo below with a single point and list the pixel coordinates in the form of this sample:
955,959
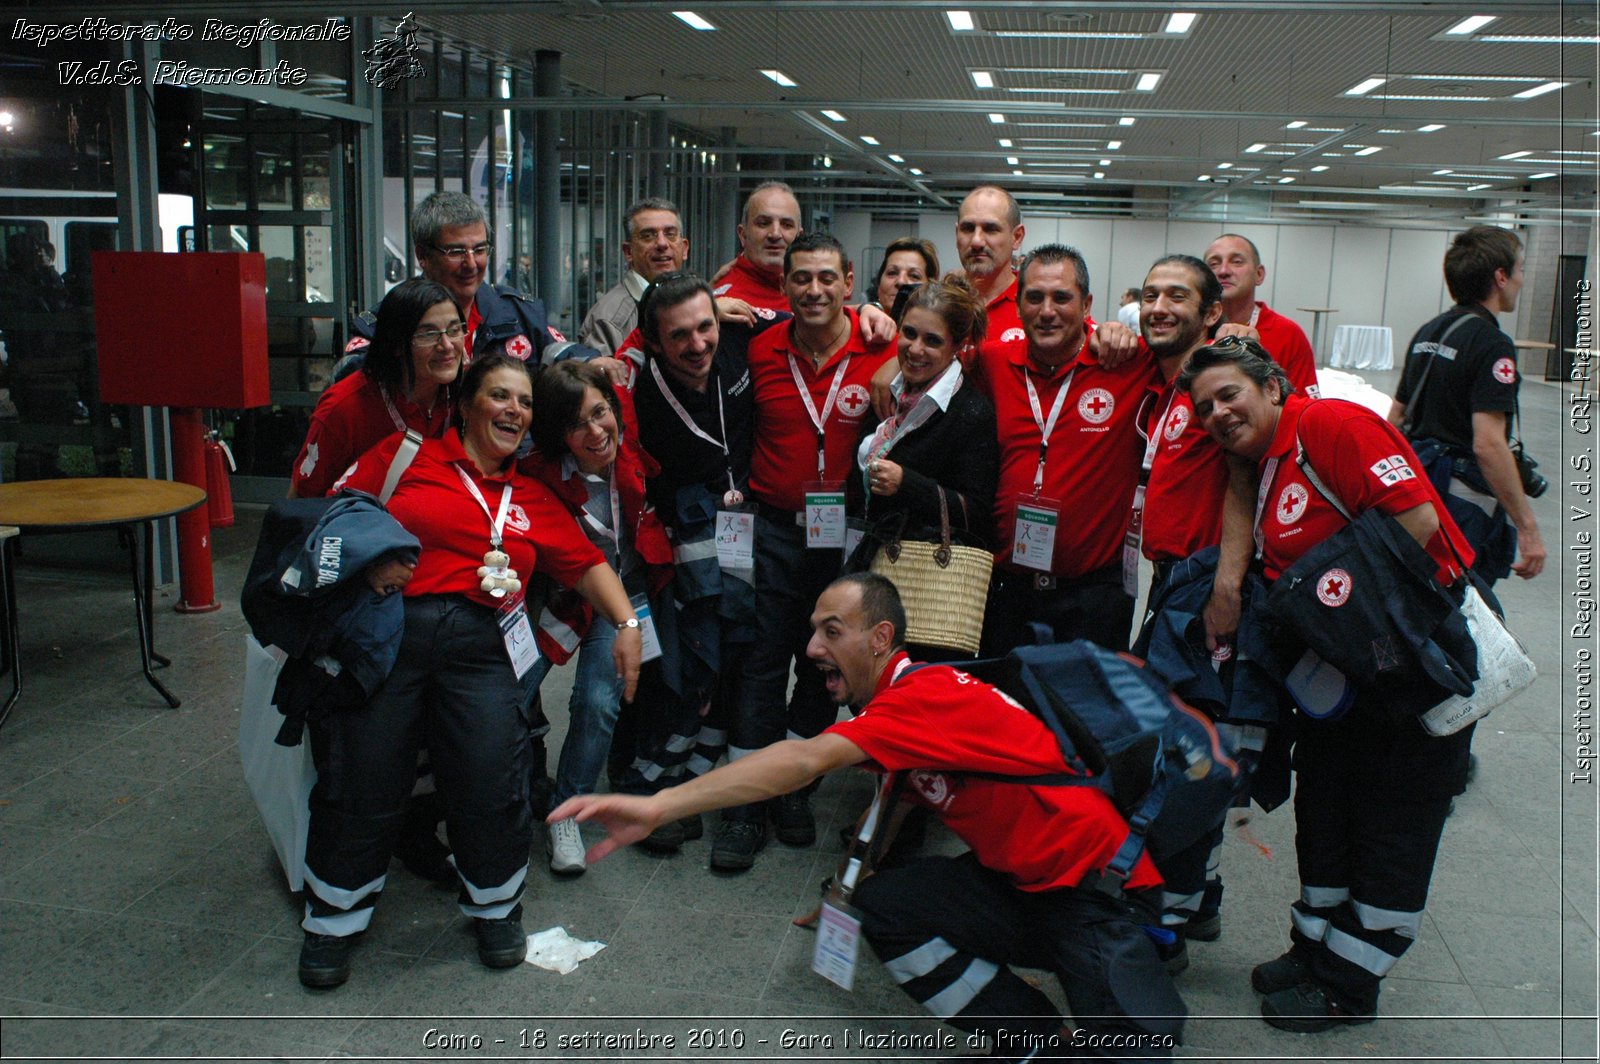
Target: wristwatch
631,622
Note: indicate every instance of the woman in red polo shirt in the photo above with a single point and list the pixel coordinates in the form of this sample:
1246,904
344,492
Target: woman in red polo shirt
456,683
404,383
1370,797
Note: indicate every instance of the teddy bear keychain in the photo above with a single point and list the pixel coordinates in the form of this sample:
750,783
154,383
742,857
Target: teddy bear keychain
498,578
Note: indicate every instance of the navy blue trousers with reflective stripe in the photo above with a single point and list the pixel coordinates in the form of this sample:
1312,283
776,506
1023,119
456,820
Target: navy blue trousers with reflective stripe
1365,856
947,929
452,689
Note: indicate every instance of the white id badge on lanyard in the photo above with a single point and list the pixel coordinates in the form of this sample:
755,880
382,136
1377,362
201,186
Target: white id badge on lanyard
1130,545
736,540
825,524
517,634
838,942
1033,539
650,643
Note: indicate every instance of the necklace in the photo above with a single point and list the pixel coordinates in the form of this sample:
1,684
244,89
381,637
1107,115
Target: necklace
819,356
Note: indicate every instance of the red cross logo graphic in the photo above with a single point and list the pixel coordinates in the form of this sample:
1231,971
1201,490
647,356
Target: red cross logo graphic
1096,405
1333,588
519,348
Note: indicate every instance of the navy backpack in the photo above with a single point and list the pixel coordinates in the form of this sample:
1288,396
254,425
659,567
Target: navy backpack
1122,730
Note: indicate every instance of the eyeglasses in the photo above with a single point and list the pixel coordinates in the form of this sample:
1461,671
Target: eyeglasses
1235,342
458,253
648,236
430,337
599,417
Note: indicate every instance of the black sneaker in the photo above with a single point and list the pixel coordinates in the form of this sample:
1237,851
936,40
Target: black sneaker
667,838
1282,973
1206,925
693,827
325,960
792,821
1306,1008
1174,957
501,943
736,844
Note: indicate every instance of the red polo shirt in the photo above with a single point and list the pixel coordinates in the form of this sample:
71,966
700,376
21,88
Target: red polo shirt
936,724
785,453
349,418
1286,342
432,503
1363,460
1002,335
1092,467
754,285
1183,497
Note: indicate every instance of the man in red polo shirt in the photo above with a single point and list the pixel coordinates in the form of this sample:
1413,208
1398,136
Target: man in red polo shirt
1069,465
1236,261
989,230
771,223
810,382
1030,891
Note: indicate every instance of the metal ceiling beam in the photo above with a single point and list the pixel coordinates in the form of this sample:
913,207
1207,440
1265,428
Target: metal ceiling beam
817,125
1222,188
1009,107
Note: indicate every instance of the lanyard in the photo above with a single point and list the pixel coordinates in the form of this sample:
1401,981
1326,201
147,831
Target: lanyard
613,534
1045,427
1157,429
690,424
683,415
1255,312
394,414
1267,476
497,522
827,407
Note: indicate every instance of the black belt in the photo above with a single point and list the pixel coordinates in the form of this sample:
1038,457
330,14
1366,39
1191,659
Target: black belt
780,517
1110,574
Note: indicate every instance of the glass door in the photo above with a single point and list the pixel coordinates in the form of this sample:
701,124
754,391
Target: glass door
281,183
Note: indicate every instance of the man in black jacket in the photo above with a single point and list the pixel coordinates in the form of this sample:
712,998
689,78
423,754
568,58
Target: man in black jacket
1465,369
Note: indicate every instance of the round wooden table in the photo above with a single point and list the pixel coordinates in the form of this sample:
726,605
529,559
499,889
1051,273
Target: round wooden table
82,504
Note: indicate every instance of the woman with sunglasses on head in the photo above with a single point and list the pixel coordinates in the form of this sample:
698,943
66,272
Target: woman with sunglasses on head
583,454
458,681
941,436
405,383
1371,794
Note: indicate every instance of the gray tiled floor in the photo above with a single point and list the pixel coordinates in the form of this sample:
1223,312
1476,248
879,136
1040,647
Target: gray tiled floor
144,914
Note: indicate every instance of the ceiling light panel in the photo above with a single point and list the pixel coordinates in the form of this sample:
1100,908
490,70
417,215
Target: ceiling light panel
833,116
982,79
689,18
1364,87
960,21
1180,22
1469,25
779,77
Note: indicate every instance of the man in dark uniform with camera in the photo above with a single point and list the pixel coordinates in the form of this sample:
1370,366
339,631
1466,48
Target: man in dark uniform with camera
1459,389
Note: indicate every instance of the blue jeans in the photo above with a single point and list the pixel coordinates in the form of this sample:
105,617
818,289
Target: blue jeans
592,713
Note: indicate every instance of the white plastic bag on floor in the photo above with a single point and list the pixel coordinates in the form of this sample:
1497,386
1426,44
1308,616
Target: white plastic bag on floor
280,777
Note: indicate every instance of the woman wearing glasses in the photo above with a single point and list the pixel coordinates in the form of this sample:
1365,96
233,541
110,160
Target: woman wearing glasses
586,459
406,382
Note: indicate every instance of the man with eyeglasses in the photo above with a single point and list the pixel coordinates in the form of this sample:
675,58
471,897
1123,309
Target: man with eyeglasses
653,244
450,233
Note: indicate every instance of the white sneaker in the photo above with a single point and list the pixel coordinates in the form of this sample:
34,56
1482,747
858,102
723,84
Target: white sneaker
564,842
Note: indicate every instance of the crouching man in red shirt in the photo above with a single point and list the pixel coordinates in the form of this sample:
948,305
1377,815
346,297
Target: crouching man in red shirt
1029,892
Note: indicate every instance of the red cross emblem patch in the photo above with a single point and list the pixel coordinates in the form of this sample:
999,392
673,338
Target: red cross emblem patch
853,400
1505,371
1333,588
1177,421
1096,405
356,344
1292,503
519,348
1012,334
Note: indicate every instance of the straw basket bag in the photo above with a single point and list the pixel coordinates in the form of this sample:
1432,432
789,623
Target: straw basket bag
944,587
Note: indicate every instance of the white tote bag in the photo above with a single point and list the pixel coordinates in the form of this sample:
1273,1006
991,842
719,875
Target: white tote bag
1504,669
279,777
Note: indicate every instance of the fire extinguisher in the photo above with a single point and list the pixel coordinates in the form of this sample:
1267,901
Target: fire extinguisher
219,490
